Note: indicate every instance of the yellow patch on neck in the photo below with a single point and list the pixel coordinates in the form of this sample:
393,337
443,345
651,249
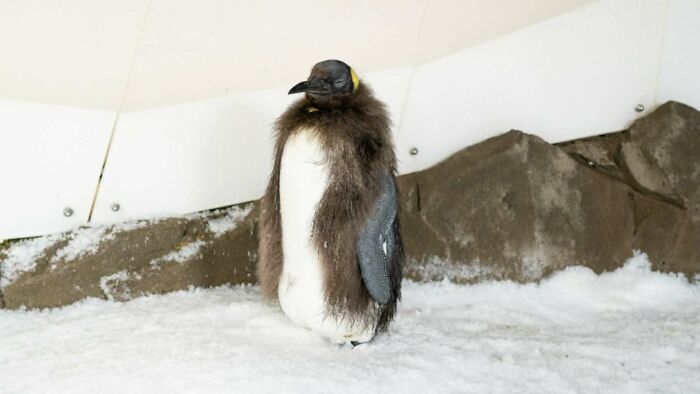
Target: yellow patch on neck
355,80
311,109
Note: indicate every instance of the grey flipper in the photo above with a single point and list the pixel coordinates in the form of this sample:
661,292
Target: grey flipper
377,242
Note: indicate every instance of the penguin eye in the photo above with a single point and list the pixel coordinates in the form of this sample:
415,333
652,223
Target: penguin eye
339,83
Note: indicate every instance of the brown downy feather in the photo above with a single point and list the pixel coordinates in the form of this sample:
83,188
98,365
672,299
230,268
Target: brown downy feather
354,132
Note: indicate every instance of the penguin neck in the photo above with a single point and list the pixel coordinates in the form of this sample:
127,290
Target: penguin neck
362,124
329,103
325,103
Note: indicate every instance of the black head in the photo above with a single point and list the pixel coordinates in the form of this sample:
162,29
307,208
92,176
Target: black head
329,78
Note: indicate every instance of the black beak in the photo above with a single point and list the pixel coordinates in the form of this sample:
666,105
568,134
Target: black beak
313,86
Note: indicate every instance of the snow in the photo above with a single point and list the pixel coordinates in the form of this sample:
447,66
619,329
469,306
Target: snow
87,240
438,268
181,255
228,222
107,283
81,242
631,330
22,257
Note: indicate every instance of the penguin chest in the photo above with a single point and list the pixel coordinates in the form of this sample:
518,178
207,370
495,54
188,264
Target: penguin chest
304,177
303,180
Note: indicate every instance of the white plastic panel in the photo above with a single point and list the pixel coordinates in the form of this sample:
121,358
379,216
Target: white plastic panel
452,25
50,158
205,154
64,66
68,52
198,50
391,86
189,157
680,63
196,134
575,75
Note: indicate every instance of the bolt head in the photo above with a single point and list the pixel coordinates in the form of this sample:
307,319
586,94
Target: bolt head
115,206
413,151
640,108
68,212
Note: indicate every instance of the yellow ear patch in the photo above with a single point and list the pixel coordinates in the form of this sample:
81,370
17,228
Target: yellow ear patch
355,80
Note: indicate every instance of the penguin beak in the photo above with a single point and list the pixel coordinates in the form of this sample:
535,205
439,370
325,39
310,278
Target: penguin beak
313,86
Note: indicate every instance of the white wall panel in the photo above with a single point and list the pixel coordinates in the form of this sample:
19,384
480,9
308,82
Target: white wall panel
195,129
391,87
50,158
680,63
452,25
64,66
189,157
198,50
68,52
204,154
575,75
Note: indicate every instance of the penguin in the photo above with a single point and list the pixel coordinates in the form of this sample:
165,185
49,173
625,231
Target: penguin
330,249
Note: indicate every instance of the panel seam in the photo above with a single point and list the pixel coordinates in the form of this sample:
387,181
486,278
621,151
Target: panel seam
119,109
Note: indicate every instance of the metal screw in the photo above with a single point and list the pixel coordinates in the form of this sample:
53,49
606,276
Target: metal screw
639,108
67,212
115,206
413,151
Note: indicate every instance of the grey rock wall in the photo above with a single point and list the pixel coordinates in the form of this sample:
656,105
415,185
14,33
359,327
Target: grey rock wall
126,261
515,207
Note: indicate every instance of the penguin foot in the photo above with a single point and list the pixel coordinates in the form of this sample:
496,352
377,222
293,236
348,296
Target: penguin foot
350,344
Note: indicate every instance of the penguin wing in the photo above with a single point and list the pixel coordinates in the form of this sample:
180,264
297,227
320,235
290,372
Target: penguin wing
378,241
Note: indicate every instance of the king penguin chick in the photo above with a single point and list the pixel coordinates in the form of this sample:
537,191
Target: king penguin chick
330,249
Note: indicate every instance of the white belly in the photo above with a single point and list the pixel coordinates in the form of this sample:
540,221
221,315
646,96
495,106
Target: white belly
303,180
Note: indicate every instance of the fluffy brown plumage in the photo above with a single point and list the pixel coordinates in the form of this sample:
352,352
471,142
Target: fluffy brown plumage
354,132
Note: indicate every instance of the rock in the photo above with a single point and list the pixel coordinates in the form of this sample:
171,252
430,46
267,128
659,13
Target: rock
659,158
662,153
125,261
513,207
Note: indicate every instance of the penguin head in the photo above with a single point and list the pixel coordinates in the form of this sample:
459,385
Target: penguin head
329,79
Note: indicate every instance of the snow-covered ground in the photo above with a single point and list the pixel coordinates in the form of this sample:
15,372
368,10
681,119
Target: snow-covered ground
631,330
